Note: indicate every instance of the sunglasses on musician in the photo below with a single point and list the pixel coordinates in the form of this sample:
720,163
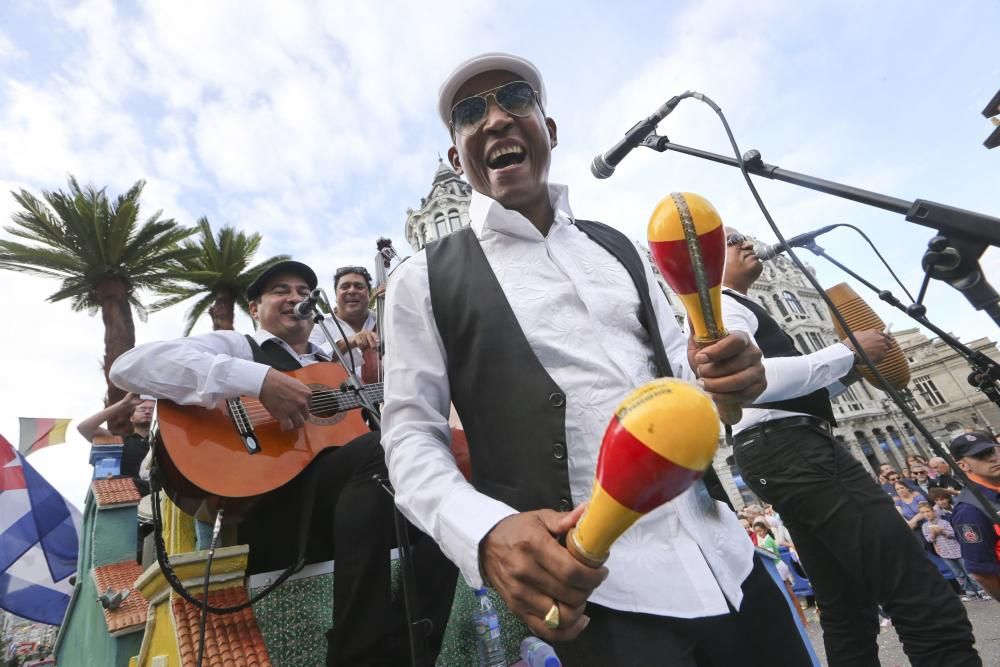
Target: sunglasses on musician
735,239
516,98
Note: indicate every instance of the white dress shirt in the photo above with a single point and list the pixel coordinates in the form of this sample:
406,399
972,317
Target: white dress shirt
787,377
579,310
318,338
200,370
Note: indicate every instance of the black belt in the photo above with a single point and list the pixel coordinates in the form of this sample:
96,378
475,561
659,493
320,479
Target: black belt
780,425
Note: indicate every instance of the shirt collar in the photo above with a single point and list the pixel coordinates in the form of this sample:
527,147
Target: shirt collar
487,214
263,335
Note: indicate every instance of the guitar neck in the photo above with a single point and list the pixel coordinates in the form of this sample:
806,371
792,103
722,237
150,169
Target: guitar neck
345,399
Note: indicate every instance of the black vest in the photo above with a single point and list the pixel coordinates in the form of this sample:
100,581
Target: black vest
272,354
513,413
774,342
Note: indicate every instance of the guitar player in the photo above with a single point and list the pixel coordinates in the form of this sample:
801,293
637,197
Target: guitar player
352,516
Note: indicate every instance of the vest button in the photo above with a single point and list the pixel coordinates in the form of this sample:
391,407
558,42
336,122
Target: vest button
557,400
558,451
565,505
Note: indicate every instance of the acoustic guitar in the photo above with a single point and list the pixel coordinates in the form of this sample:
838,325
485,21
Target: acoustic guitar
224,457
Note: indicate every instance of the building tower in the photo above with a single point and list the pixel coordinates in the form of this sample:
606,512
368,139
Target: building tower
445,209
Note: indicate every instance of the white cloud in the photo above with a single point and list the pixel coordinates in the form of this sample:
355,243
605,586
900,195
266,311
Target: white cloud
316,125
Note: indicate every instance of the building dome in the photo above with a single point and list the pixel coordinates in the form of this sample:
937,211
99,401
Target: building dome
444,210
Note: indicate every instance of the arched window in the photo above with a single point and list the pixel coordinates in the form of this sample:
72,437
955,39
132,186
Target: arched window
793,303
454,220
780,305
440,225
802,345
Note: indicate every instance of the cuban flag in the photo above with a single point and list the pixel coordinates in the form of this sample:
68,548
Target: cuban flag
39,542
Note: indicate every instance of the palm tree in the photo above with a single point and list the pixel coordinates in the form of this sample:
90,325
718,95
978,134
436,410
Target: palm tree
102,254
217,271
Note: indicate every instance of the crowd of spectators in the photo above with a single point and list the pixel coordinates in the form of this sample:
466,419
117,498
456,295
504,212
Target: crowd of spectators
923,492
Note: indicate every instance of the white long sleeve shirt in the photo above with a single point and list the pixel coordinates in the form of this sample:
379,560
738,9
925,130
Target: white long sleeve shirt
318,338
200,370
787,377
579,310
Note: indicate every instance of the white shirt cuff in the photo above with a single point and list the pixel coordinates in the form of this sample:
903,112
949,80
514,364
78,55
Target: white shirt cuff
466,516
246,377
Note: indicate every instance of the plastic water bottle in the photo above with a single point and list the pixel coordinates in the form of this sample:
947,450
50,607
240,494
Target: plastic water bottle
536,653
487,627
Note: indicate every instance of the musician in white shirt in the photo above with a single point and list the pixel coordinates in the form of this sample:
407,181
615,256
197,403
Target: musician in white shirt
352,520
847,533
680,587
352,290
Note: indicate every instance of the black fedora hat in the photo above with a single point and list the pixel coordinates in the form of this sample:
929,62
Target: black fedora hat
288,266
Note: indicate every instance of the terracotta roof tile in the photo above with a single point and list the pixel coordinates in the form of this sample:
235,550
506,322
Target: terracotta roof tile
119,576
231,640
116,491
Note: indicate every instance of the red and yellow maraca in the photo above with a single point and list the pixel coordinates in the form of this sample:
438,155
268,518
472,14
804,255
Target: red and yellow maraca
660,441
688,244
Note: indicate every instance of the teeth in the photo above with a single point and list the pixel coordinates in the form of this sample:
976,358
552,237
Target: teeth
505,150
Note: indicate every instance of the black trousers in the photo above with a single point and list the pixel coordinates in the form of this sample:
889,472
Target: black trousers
856,550
351,523
762,633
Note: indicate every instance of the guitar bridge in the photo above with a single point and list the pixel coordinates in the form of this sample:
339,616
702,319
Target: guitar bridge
243,425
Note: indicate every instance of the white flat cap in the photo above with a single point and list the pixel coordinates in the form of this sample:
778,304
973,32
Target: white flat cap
487,62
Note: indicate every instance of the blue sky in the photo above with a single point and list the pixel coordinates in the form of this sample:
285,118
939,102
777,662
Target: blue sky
315,124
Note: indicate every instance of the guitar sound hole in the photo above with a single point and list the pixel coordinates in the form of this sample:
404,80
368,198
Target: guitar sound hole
323,406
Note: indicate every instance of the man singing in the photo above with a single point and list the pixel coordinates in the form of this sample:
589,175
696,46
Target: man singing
351,514
854,547
536,324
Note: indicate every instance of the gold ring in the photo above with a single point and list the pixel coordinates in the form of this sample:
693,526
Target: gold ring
552,618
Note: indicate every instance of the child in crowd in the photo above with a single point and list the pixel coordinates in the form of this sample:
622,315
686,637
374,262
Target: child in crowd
939,532
942,502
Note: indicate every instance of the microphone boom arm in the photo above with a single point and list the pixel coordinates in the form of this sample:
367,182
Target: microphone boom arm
966,234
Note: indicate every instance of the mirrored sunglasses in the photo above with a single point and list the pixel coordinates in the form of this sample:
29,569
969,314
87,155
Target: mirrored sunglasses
735,239
516,98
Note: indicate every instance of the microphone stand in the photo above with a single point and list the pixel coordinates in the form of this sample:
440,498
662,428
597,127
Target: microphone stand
952,255
984,368
417,628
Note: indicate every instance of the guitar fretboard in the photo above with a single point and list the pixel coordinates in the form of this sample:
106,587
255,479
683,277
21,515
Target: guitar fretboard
342,400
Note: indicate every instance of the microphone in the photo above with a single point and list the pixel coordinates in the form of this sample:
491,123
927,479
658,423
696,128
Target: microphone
305,309
604,165
766,252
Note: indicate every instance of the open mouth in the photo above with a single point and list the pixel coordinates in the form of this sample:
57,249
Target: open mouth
505,156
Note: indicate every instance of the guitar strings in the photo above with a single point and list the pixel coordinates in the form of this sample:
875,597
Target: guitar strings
254,412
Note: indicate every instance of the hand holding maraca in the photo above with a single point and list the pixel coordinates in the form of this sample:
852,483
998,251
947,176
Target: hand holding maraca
730,370
524,562
688,244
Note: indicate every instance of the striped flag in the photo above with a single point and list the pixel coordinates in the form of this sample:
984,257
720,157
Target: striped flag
39,542
39,432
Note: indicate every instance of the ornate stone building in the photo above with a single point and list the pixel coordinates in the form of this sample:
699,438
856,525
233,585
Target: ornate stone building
445,209
869,424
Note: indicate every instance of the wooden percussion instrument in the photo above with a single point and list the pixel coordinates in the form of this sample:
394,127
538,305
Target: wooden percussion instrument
860,317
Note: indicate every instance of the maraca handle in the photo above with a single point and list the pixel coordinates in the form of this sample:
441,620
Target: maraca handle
581,554
729,413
